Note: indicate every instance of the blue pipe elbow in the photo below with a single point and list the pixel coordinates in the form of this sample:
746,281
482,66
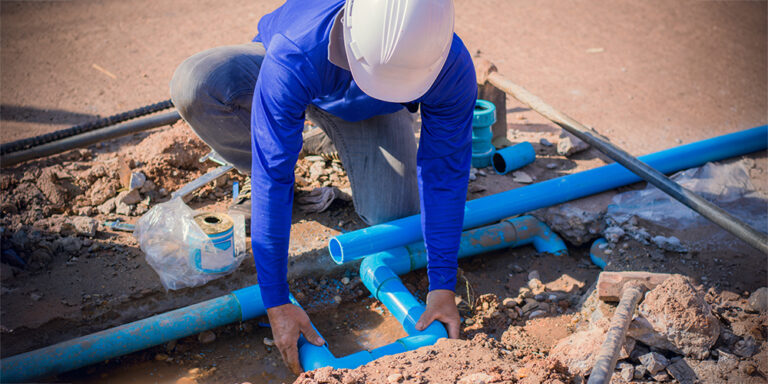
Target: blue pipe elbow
596,253
511,158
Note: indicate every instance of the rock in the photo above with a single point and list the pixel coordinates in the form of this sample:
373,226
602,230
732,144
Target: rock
536,286
537,313
69,244
516,268
682,372
745,347
579,351
35,296
530,306
48,183
545,142
129,197
121,208
671,244
758,300
747,367
661,377
613,234
674,316
148,186
337,299
162,357
102,190
137,180
534,274
85,226
107,207
269,342
578,222
627,372
654,362
477,378
640,372
509,302
206,337
551,165
395,378
521,177
345,280
727,361
570,144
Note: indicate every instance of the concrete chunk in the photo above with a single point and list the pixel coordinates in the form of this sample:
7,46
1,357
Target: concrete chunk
681,372
654,362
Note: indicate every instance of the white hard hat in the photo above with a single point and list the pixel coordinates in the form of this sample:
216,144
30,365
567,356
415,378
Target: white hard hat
396,48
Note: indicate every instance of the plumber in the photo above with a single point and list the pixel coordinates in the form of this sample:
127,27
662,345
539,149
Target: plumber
360,70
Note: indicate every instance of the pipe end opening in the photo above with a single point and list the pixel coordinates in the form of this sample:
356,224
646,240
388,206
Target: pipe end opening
336,250
499,165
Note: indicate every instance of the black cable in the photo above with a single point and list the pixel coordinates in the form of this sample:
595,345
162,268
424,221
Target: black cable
30,142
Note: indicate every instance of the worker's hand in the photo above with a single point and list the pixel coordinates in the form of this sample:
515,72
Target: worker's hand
441,306
287,321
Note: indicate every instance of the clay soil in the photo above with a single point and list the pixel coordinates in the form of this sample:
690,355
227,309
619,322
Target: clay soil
647,75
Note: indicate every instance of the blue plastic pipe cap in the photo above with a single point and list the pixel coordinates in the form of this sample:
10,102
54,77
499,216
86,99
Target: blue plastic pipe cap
512,158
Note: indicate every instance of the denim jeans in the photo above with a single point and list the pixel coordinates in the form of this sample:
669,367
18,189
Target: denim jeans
213,91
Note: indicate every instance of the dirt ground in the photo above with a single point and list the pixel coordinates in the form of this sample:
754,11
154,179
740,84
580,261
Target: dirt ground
648,75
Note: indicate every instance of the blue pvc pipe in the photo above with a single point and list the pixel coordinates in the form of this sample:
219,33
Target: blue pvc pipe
366,241
239,305
379,273
511,158
596,253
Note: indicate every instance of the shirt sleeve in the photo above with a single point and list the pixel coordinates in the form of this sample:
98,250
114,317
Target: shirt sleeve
280,98
444,158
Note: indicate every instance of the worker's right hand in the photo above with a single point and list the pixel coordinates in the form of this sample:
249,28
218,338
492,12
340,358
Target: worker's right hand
287,322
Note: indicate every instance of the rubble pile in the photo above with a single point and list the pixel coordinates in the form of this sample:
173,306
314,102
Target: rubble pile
675,336
54,210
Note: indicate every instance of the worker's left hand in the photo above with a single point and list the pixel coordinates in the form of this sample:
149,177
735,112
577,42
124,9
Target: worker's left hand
441,306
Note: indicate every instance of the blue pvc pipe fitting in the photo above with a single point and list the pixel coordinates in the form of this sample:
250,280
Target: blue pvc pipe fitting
482,120
511,158
356,244
596,253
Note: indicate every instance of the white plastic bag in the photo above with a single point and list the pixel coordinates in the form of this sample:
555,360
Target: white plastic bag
178,249
727,184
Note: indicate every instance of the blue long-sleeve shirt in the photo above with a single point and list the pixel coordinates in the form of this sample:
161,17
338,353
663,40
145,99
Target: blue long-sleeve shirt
296,72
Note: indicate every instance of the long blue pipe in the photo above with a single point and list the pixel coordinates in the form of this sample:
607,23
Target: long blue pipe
239,305
357,244
379,274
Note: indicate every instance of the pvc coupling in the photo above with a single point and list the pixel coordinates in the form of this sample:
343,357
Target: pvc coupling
511,158
482,120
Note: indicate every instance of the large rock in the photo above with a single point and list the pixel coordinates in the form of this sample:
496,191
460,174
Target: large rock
85,226
674,316
580,221
579,351
758,300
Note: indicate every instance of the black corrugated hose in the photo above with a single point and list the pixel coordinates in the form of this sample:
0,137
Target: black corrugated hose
30,142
